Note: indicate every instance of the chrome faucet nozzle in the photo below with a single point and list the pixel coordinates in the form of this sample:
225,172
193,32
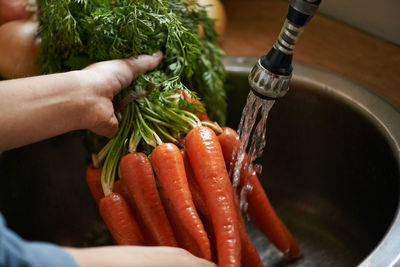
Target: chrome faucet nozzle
270,77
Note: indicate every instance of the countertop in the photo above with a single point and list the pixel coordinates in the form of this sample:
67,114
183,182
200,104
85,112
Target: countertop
253,27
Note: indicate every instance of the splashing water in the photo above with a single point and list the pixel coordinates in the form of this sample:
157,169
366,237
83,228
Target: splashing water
251,133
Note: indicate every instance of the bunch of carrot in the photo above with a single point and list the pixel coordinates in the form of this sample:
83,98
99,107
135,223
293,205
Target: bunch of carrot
181,195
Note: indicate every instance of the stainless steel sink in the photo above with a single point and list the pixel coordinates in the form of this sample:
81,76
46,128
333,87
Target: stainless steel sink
331,169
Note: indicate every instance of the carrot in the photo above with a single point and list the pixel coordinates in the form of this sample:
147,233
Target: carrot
263,215
121,188
294,251
200,203
168,164
259,208
208,164
119,220
185,240
93,180
197,195
211,236
250,255
138,175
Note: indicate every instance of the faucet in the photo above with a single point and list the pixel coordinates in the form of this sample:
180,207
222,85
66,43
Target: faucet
271,75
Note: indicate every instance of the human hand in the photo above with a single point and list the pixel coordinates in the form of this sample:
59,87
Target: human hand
136,256
103,81
40,107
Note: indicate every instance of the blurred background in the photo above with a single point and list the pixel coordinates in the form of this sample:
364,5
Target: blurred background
378,18
358,39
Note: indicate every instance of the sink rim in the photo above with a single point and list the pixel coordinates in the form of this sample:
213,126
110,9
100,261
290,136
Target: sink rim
380,111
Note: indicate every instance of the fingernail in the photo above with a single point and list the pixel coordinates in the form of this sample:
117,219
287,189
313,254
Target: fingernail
157,54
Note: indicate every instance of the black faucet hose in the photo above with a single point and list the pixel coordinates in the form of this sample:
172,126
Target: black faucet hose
279,59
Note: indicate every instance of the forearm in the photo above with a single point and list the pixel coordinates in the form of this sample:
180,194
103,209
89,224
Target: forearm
36,108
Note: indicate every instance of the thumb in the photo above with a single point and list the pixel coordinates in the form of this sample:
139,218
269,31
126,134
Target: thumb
130,68
144,63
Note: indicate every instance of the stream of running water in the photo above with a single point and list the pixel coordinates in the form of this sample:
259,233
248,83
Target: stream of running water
251,130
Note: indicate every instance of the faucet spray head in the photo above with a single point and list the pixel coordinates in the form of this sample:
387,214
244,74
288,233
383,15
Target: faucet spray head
271,76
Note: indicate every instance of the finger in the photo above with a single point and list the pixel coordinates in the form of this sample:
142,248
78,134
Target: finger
144,63
108,129
130,68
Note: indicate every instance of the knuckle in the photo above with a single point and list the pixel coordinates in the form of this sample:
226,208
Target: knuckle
104,120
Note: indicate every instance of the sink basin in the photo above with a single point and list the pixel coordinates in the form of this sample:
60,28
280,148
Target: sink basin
331,169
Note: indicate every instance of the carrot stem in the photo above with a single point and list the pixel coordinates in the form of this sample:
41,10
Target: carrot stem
166,134
213,125
97,159
145,131
115,153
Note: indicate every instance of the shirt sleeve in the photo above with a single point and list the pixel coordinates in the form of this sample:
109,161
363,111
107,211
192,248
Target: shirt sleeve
14,251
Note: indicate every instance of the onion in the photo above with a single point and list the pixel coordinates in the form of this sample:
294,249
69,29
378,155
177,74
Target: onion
16,9
18,48
215,9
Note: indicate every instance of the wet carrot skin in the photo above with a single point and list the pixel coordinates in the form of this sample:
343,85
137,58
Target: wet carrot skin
93,180
138,175
250,257
119,220
169,166
260,209
197,195
206,159
264,216
185,240
294,251
121,188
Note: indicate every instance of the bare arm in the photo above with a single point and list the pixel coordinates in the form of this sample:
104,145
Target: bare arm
36,108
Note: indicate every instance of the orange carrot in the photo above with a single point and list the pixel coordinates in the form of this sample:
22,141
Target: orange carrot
208,164
119,220
185,240
93,180
259,208
168,164
121,188
294,251
250,255
197,195
264,216
138,175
